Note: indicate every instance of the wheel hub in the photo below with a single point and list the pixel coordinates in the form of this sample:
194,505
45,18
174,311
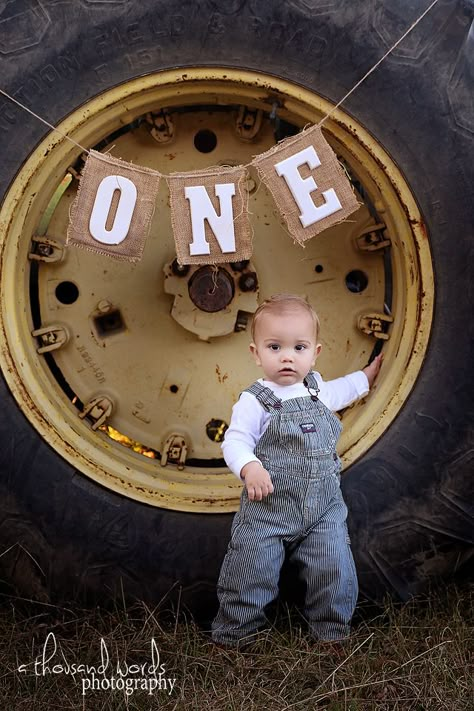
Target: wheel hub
211,289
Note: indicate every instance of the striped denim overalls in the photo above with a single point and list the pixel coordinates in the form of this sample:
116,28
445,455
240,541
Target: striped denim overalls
305,517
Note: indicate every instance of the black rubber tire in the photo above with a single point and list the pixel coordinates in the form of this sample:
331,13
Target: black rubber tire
410,497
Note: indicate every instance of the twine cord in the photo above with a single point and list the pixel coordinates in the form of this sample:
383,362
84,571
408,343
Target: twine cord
273,114
40,118
407,32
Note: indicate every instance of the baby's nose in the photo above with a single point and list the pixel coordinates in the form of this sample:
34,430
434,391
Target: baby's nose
287,355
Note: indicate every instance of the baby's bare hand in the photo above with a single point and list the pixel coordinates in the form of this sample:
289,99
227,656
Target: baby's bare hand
373,369
257,481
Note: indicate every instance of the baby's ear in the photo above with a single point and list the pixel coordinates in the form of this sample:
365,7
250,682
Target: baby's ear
317,351
254,352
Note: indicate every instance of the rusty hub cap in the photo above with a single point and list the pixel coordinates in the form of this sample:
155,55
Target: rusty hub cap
211,289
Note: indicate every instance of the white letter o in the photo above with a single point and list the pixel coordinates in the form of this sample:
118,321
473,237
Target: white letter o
102,205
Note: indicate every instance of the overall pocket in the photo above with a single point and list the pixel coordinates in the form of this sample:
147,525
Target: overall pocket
311,432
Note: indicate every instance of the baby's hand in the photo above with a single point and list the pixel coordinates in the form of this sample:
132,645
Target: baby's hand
257,481
373,369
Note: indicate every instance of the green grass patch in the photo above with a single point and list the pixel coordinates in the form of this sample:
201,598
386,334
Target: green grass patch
414,656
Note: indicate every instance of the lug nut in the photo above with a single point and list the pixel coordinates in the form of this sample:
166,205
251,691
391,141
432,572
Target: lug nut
239,266
180,270
248,282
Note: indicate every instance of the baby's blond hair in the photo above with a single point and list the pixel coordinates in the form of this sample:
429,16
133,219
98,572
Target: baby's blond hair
283,303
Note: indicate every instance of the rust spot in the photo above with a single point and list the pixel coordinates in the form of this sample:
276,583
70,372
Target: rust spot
421,225
171,156
221,378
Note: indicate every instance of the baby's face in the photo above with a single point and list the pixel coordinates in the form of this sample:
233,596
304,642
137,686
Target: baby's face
285,346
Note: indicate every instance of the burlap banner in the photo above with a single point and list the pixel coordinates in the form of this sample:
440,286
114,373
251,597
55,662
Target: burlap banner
209,214
113,208
307,183
209,208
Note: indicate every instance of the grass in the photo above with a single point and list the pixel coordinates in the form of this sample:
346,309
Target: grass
411,657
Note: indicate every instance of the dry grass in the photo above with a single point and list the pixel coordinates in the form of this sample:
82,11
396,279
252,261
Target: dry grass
415,656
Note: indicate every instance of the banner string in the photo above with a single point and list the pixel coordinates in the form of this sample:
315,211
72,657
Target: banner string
64,135
328,115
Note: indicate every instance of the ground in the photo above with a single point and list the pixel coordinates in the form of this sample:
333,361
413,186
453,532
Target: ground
415,656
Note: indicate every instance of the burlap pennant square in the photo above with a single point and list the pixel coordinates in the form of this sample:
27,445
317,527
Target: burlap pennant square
146,181
210,223
326,197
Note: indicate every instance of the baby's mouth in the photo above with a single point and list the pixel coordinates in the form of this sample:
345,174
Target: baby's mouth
287,371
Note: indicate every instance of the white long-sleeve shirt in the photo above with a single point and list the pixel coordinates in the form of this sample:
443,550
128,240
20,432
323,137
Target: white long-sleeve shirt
249,419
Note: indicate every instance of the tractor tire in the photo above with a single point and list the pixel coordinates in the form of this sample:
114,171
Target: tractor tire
64,535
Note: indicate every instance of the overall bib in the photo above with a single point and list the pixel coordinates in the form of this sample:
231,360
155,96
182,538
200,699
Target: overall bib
304,517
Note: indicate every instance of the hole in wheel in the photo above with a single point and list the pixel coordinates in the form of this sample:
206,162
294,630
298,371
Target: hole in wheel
67,292
205,141
216,429
109,323
357,281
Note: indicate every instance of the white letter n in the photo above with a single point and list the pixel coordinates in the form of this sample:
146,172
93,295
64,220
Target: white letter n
202,209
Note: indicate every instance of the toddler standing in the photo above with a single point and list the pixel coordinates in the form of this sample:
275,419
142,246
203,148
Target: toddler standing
282,443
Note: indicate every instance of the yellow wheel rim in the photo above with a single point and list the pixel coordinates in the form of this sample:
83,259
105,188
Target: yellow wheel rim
126,340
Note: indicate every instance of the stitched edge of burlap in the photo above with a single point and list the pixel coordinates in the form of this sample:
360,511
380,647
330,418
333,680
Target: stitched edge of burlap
330,174
181,214
95,169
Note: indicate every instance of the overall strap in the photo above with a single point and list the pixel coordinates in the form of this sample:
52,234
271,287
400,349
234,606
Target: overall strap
312,385
265,396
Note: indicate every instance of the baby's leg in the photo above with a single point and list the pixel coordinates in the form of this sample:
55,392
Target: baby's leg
248,581
325,559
